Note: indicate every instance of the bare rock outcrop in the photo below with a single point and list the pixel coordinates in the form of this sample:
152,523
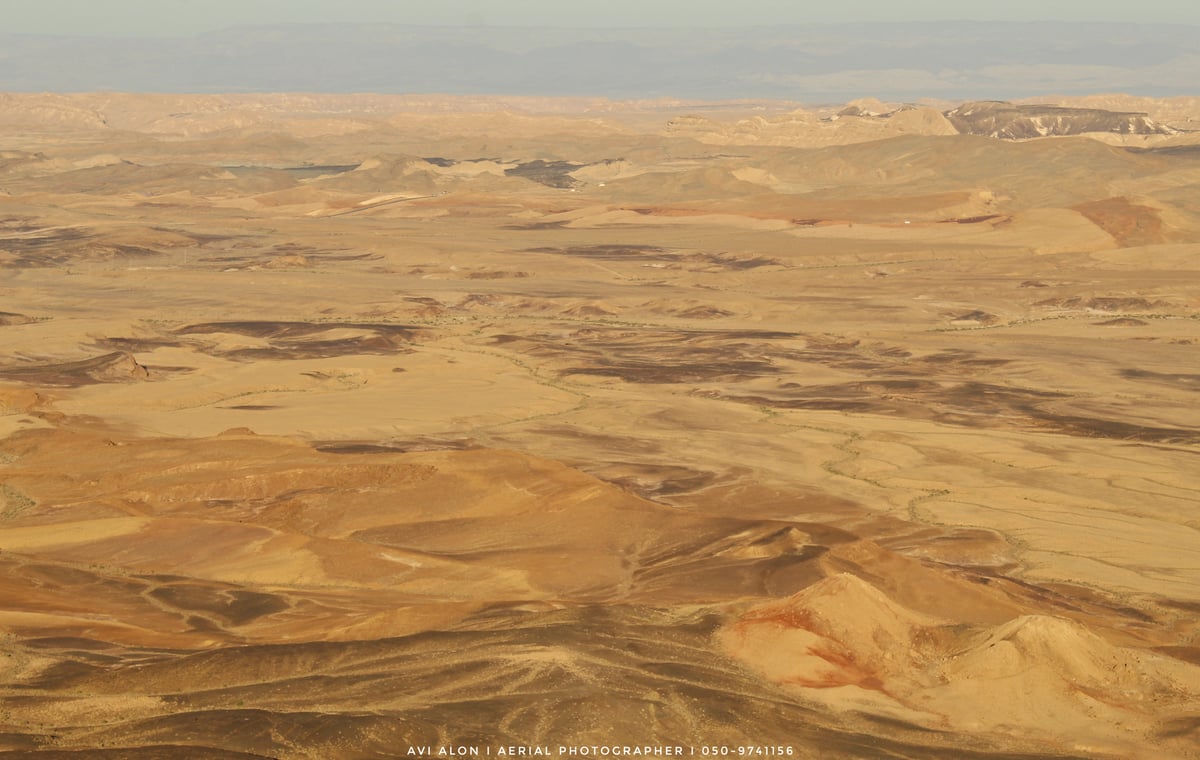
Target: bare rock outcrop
1008,121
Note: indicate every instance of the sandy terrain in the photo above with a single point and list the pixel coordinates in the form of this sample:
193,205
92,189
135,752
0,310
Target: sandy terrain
335,427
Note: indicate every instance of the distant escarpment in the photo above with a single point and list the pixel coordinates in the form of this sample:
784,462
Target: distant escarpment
1009,121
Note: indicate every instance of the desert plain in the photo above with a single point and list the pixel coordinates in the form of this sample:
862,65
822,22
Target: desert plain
353,426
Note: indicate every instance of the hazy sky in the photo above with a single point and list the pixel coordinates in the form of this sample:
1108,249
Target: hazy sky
170,17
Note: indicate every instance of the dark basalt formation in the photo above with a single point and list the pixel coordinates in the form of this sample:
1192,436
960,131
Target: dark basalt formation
1008,121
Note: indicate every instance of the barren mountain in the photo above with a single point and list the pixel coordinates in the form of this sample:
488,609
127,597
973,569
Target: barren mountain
372,426
1017,122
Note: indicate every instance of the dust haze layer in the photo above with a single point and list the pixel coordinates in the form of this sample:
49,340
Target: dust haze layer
810,63
338,426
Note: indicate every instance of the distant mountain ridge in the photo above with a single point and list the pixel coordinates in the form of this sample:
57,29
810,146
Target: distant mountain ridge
811,63
280,120
1019,122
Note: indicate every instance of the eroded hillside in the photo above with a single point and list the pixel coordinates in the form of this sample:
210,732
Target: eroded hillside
334,427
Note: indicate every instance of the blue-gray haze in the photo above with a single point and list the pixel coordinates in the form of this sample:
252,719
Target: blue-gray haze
812,62
125,18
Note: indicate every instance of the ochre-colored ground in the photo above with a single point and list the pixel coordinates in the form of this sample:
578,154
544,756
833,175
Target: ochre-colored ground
333,433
